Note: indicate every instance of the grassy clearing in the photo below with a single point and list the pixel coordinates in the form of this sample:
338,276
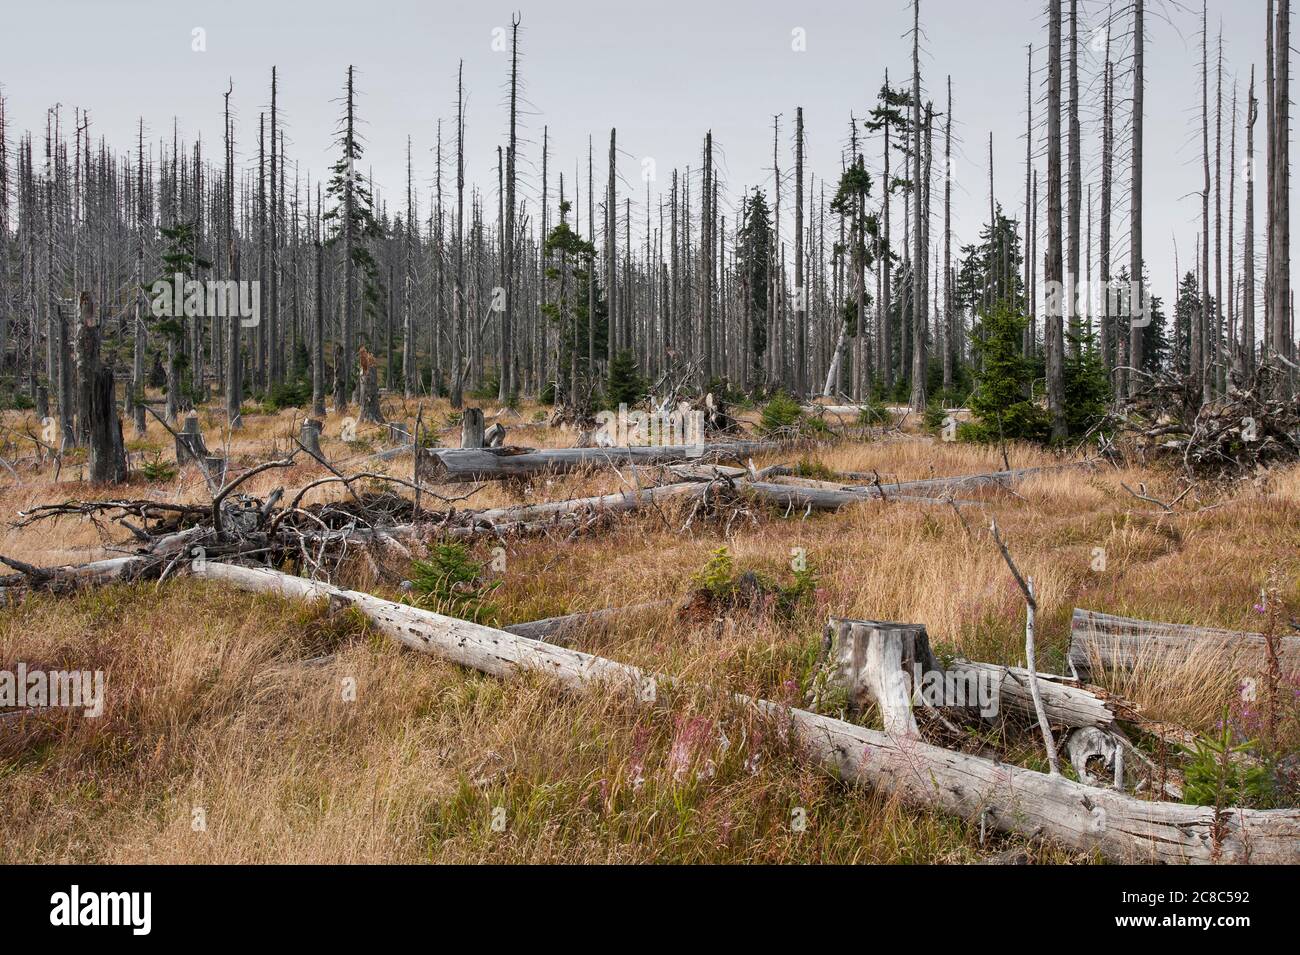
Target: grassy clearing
241,706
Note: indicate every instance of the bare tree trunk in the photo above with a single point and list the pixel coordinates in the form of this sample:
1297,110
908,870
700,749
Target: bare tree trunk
1053,328
1135,196
506,391
1248,243
1200,343
1076,185
800,293
947,246
459,324
918,254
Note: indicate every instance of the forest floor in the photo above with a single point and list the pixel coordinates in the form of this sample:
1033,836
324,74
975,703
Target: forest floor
228,708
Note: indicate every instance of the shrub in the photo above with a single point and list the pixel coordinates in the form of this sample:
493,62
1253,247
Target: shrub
780,413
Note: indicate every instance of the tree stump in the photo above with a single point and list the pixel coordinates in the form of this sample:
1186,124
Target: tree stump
876,662
495,436
190,445
471,428
310,437
215,465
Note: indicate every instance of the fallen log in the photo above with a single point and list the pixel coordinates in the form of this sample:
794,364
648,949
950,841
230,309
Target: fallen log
927,487
556,629
1006,797
1102,641
450,465
69,577
799,497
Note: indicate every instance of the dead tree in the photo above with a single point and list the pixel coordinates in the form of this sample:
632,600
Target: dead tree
1053,322
1135,270
368,387
102,426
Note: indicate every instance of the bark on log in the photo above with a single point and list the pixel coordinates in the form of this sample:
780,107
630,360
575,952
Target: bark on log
1008,798
525,518
446,466
1065,702
1101,641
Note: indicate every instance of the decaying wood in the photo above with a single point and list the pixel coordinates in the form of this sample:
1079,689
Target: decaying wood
1065,702
798,497
448,465
877,662
1101,641
310,438
556,629
471,428
1005,797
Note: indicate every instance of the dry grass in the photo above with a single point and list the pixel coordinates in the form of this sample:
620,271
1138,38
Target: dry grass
236,705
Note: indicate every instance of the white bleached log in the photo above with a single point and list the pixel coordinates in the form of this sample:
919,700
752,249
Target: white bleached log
1005,797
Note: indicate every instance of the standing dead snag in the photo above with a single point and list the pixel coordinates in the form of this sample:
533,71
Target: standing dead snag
368,387
1031,611
102,427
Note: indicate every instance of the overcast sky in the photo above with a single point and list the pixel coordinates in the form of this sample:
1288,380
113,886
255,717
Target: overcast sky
662,73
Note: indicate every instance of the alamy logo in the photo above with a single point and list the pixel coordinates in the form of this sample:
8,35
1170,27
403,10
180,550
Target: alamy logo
632,429
103,908
1121,299
39,689
213,298
964,688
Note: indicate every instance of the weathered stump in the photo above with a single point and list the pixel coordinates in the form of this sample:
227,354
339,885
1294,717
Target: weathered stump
471,428
878,662
215,465
310,437
190,445
495,436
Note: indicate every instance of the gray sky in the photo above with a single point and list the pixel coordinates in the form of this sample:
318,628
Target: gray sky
662,73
